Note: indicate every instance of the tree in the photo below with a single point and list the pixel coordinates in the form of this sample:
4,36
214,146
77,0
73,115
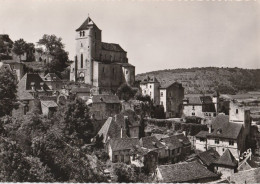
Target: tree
19,47
54,48
126,92
7,92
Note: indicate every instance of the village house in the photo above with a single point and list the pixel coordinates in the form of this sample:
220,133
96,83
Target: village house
208,158
226,164
173,146
186,172
150,86
152,143
100,64
222,135
171,97
48,107
103,106
125,124
119,149
30,87
53,81
200,106
144,158
81,92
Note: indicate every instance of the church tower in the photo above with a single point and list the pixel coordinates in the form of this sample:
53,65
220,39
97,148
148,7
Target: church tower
88,49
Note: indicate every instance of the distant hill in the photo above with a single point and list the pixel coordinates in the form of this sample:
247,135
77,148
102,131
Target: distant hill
206,80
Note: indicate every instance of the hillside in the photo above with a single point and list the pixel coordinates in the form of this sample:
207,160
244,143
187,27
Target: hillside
206,80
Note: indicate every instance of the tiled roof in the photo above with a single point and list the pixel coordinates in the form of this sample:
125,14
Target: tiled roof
28,78
105,99
51,77
24,95
111,47
123,143
160,136
151,142
126,65
202,134
222,128
86,24
247,176
209,157
172,142
49,103
167,85
227,159
185,172
149,79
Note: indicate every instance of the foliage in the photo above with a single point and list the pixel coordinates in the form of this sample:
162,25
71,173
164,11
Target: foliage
19,47
7,92
126,92
42,149
158,112
55,48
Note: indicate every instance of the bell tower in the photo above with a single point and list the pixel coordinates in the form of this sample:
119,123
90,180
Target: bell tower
88,50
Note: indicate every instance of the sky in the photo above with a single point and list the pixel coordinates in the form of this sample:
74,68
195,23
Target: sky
156,34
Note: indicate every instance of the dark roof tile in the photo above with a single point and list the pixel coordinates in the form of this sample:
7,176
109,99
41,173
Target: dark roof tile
123,143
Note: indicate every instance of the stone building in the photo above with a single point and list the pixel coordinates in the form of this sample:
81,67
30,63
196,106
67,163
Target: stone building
203,106
171,97
53,81
150,86
97,63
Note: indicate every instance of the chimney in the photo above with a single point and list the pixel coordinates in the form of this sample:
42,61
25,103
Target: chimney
33,86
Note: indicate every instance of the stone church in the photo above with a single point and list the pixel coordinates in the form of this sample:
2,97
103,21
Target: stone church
100,64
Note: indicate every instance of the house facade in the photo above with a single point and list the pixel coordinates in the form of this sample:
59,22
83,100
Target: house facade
150,86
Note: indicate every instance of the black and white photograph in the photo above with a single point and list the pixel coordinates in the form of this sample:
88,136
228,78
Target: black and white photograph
130,91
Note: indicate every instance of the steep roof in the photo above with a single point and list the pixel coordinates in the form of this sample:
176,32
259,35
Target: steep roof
149,79
24,95
28,78
51,77
111,129
185,172
86,24
151,142
105,99
172,142
202,134
167,85
227,159
123,143
112,47
209,157
222,128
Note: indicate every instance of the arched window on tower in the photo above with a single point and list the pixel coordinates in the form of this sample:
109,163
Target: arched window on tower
81,60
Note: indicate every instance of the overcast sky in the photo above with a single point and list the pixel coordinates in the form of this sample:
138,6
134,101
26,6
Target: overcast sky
156,34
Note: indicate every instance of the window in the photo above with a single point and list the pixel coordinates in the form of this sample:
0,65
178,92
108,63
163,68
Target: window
161,102
236,111
231,142
161,93
26,109
83,33
202,139
81,60
193,114
216,141
80,33
193,107
150,93
126,72
150,86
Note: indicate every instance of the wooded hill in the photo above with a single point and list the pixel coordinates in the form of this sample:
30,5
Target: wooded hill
208,79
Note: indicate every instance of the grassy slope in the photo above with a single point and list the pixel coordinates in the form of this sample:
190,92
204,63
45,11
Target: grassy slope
197,80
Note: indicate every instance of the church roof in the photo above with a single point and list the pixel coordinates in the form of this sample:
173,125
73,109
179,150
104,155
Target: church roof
88,22
112,47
